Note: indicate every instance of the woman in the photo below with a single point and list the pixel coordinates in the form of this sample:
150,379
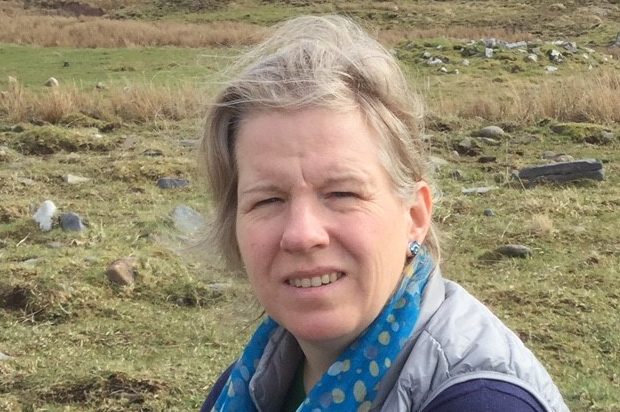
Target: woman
315,165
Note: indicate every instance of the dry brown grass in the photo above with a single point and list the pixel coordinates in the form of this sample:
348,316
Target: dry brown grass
56,31
136,104
594,98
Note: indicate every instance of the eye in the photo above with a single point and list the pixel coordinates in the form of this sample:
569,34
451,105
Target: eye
343,195
267,201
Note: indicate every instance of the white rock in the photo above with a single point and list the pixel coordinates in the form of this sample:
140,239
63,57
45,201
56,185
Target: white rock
73,179
531,58
465,62
434,61
4,357
51,82
44,215
443,69
551,69
488,53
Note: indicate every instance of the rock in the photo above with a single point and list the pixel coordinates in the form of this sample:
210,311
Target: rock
454,153
563,172
187,220
66,64
490,141
563,158
551,69
488,53
71,222
434,61
153,153
25,181
491,131
490,43
606,137
478,190
171,183
4,357
437,163
488,212
74,179
516,45
122,271
51,82
569,46
465,62
190,143
426,55
555,56
468,146
32,262
100,86
44,215
456,174
557,7
517,251
443,69
532,58
487,159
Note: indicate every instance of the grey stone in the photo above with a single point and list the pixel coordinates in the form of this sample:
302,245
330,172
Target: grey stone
518,251
190,143
433,61
4,357
187,220
478,190
122,271
171,183
557,7
25,181
51,82
563,158
488,212
44,214
465,62
531,58
74,179
101,86
491,131
490,42
32,262
516,45
555,56
570,46
567,168
468,146
488,53
443,69
551,69
71,222
427,55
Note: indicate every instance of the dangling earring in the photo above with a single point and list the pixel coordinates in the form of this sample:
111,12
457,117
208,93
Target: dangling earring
414,248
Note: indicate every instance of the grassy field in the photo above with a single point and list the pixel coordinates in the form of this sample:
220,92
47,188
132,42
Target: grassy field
78,343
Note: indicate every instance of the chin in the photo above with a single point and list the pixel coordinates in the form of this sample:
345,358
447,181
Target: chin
323,332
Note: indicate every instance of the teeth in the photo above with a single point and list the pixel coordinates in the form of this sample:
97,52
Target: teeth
315,281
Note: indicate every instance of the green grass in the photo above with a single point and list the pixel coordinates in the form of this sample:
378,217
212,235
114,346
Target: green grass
32,66
81,344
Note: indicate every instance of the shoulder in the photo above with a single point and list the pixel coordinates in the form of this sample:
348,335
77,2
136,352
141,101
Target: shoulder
484,394
216,390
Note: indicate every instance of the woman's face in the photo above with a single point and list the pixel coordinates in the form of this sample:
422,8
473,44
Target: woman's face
321,231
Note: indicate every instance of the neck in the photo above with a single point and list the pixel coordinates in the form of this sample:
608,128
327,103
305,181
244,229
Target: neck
318,358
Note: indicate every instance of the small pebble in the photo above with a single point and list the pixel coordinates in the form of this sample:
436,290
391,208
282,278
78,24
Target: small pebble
171,183
489,212
122,271
519,251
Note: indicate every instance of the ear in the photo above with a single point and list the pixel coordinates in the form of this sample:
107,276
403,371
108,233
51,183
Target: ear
420,212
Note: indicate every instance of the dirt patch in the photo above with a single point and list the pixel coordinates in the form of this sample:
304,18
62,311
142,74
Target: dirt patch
72,8
35,301
101,388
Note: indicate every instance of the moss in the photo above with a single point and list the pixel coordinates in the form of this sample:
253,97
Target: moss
584,132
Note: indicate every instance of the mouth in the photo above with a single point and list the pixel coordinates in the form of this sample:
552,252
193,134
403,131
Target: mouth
316,281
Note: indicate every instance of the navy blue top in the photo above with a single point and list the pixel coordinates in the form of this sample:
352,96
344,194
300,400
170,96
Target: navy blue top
477,395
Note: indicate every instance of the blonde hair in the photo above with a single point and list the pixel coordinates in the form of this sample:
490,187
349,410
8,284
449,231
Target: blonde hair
328,62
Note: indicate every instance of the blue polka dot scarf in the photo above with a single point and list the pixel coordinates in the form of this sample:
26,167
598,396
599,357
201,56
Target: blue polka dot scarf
350,384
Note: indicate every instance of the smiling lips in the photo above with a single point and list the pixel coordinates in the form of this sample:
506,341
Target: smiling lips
316,281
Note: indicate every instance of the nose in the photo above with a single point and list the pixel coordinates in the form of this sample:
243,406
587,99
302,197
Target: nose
304,228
